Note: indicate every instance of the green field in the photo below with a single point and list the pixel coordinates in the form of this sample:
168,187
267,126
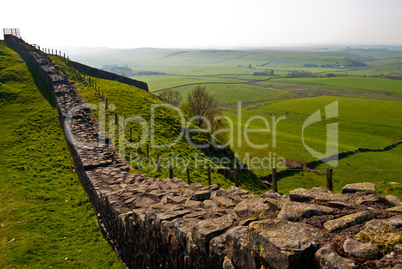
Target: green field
45,216
131,101
46,219
369,107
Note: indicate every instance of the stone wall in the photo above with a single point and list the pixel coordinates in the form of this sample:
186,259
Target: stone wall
85,69
153,223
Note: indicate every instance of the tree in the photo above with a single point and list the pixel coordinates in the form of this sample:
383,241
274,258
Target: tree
203,105
170,96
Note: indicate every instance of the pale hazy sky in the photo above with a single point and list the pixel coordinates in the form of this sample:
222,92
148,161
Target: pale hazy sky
207,23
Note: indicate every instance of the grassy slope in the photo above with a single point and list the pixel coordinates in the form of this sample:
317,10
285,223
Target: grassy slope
46,218
364,122
131,101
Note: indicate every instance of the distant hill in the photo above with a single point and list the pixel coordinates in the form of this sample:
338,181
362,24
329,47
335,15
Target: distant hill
346,62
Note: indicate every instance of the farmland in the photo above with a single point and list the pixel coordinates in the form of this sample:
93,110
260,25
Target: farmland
369,104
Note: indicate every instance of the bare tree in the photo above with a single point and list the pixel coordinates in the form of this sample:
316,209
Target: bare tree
201,103
170,96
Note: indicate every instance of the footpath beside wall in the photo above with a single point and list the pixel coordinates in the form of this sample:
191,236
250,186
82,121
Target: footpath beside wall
170,224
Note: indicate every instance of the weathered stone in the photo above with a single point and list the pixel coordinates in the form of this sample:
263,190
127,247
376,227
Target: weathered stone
130,200
157,193
271,194
192,203
201,195
319,194
225,202
227,264
200,214
205,230
170,216
238,248
275,204
378,224
366,187
213,187
236,191
337,204
358,249
395,257
196,186
395,209
251,206
327,258
183,228
211,205
246,222
143,202
371,198
347,221
284,244
295,211
217,249
175,199
392,200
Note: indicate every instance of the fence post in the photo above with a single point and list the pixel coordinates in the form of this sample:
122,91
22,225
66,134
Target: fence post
274,180
170,171
329,179
209,175
148,150
157,162
188,175
236,171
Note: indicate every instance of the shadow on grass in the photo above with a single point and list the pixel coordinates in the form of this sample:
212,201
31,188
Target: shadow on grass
40,84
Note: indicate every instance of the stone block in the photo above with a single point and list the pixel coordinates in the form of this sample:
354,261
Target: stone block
238,248
283,244
358,249
392,200
201,195
366,187
378,224
327,258
347,221
252,206
225,202
295,211
395,209
319,194
275,204
207,229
